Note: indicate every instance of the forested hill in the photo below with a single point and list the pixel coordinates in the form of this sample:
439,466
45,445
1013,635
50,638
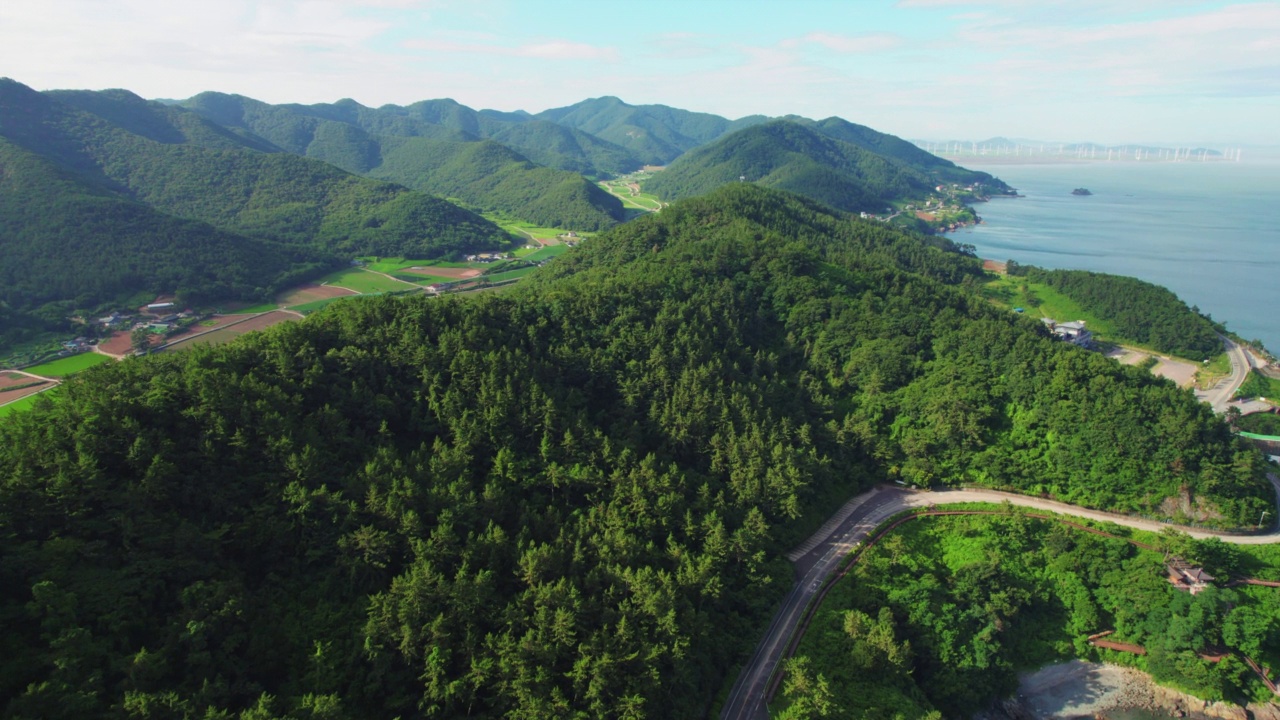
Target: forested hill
655,134
565,501
896,148
795,157
433,146
113,195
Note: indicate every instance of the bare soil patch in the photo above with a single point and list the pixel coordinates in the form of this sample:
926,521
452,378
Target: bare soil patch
231,332
118,344
8,380
8,396
926,216
205,325
456,273
995,266
312,292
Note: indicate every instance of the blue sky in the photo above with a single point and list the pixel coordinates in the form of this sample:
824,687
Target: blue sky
1169,71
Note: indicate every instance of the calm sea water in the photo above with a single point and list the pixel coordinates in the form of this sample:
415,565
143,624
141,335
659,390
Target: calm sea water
1210,232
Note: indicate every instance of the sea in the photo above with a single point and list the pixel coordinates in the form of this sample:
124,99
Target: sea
1209,231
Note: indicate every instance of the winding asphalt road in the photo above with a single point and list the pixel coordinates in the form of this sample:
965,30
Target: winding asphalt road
851,525
1219,396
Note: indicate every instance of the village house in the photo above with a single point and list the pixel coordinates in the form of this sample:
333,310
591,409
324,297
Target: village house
1185,577
1073,332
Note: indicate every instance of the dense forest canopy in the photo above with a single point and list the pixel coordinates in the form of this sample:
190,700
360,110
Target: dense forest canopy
564,501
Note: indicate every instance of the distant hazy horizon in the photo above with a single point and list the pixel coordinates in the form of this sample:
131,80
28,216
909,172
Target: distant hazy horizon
1177,71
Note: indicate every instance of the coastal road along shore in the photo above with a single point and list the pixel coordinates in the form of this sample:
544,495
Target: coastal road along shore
816,558
1219,396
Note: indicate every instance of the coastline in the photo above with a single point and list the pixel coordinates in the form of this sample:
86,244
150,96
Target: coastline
1082,689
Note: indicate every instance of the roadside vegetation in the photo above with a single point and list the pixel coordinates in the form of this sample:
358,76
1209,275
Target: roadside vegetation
937,618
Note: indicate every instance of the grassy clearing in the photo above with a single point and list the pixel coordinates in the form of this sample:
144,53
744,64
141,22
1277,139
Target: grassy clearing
547,253
69,365
637,201
1038,300
1211,372
363,281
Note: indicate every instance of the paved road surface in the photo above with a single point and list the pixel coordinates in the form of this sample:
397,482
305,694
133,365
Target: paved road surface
852,524
1219,396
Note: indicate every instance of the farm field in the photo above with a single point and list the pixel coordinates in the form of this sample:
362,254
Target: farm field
448,273
120,343
630,197
364,281
69,365
312,292
9,395
18,405
308,308
547,253
205,326
13,379
227,334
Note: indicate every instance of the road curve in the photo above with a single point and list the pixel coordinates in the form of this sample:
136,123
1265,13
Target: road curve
852,524
1219,396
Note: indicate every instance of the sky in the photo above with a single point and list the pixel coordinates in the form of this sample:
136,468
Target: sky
1159,71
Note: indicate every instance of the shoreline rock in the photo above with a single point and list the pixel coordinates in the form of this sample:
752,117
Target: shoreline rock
1080,689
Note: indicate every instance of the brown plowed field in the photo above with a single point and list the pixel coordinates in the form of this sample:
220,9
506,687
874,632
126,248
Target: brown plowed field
11,379
229,333
215,323
7,396
444,272
118,344
311,293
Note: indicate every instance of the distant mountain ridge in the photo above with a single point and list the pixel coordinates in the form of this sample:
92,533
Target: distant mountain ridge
811,159
107,194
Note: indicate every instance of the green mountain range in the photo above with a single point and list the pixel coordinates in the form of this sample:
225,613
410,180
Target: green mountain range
433,146
654,134
110,195
568,500
866,172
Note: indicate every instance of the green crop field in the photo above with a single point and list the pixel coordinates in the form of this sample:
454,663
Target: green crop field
1038,300
423,279
364,281
308,308
253,309
18,405
509,275
547,253
69,365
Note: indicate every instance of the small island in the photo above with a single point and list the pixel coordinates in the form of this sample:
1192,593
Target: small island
1081,191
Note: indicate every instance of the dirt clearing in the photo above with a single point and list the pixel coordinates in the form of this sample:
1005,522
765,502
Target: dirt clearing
311,293
444,272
